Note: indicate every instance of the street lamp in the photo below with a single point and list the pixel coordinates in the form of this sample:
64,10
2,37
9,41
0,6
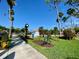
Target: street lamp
26,25
26,30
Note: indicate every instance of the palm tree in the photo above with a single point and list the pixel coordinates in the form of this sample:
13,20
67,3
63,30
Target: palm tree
11,3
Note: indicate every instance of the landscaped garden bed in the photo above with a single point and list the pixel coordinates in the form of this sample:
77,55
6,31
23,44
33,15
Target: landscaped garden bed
43,43
61,49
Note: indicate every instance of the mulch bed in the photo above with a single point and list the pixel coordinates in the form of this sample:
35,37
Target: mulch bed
43,43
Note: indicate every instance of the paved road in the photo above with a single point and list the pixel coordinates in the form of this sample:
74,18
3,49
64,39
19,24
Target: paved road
21,50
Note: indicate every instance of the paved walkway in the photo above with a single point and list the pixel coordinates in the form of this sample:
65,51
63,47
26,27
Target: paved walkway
21,50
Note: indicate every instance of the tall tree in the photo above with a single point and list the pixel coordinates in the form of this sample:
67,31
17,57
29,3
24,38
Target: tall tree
55,31
60,21
41,30
71,12
64,19
74,4
54,4
51,31
11,3
76,29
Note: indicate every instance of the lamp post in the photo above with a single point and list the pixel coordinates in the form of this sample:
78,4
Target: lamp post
26,30
11,3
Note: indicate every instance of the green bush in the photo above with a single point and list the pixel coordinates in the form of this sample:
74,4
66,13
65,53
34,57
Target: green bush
76,29
68,34
9,42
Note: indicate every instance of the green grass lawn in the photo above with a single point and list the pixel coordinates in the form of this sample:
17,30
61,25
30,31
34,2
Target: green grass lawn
61,49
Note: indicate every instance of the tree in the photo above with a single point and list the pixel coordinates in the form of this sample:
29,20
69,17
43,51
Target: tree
3,28
76,29
54,4
60,21
51,31
68,34
73,3
17,30
71,12
45,31
64,19
41,31
23,30
55,31
74,7
11,3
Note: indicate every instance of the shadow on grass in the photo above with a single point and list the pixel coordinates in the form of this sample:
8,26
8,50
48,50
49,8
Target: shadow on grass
72,58
62,37
10,56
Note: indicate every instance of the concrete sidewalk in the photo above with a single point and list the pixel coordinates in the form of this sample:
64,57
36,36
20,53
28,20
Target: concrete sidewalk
22,51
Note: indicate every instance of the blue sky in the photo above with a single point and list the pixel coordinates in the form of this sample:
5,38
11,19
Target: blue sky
34,12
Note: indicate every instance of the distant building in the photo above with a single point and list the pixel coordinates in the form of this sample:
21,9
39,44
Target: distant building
35,33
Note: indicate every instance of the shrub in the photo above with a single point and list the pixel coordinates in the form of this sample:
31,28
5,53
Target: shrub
68,34
76,29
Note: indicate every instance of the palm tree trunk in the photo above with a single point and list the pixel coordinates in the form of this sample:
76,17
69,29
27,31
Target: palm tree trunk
11,3
10,32
11,25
